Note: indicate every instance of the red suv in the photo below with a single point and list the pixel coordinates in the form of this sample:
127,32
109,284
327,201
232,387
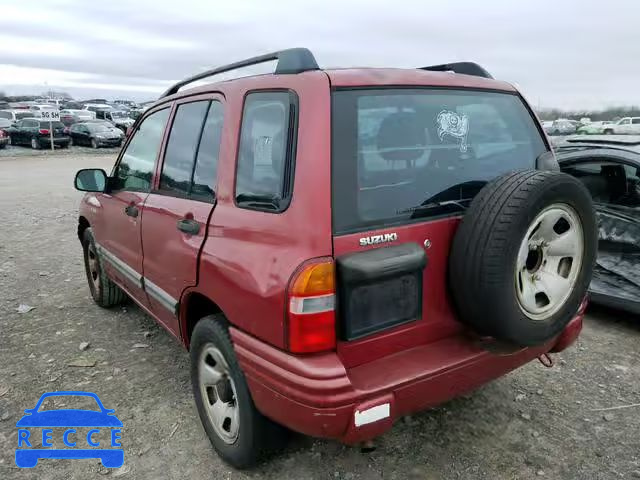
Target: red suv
338,248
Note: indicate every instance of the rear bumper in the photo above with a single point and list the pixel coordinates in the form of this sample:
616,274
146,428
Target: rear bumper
45,141
317,396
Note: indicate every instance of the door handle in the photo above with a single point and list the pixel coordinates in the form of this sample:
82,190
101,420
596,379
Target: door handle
188,225
131,210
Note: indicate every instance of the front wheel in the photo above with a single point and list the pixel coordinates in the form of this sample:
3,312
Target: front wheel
94,143
237,431
35,144
608,132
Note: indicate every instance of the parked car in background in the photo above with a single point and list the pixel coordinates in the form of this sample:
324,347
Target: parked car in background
594,128
69,116
38,111
610,169
35,132
562,127
624,126
15,115
117,117
72,105
546,126
4,136
95,135
128,103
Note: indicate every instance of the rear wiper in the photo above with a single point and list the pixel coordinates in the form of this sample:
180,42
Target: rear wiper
418,210
259,200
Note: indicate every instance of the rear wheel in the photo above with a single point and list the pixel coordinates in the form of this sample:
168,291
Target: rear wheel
608,131
523,256
103,291
71,141
237,431
94,143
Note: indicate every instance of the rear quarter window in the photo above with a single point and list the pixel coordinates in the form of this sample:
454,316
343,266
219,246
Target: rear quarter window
266,151
395,150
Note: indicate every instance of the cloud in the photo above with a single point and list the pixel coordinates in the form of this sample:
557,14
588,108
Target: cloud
575,53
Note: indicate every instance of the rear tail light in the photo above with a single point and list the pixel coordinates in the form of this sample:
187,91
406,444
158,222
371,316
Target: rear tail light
44,131
311,325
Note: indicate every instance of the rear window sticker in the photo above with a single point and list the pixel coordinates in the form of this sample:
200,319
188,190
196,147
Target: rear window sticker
451,124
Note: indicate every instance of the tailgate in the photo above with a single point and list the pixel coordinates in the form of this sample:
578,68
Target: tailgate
433,319
406,163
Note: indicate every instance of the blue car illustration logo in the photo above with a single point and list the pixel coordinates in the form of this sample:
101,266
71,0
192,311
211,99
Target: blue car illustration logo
84,432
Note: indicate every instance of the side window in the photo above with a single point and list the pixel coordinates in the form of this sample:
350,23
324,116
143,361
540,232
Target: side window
206,171
6,115
626,121
263,179
135,169
182,147
609,183
636,121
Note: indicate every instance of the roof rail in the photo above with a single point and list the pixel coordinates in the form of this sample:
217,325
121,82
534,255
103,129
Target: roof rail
465,68
290,61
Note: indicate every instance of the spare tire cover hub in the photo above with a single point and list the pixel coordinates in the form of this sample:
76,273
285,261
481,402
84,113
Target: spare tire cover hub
549,261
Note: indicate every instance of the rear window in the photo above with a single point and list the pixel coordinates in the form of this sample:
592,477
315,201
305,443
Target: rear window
398,154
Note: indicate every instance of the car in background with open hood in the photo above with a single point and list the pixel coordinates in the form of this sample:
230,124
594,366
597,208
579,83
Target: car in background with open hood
609,167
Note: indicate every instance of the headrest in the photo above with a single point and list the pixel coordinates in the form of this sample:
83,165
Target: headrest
398,133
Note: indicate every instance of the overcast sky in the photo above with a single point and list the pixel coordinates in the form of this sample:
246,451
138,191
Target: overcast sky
561,53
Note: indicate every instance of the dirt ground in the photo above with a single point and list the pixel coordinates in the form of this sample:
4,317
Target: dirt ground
533,423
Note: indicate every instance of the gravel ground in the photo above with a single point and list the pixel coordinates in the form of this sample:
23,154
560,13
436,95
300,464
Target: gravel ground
533,423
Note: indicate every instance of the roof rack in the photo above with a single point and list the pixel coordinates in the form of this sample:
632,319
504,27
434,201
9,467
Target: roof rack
290,61
465,68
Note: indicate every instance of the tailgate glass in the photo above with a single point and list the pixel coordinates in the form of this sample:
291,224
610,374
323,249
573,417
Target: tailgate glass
397,151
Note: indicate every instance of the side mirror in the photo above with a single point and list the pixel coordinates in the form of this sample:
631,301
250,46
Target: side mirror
91,180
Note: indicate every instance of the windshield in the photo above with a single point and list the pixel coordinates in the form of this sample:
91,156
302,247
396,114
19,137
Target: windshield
395,150
77,402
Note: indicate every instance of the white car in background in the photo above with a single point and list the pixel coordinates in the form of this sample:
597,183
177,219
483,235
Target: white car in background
625,126
69,116
45,111
15,114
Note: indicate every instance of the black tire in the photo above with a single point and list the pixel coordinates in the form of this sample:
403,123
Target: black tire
257,435
103,291
483,275
71,141
608,132
35,144
94,143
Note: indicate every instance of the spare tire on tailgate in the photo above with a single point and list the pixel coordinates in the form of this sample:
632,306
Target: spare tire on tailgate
522,258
